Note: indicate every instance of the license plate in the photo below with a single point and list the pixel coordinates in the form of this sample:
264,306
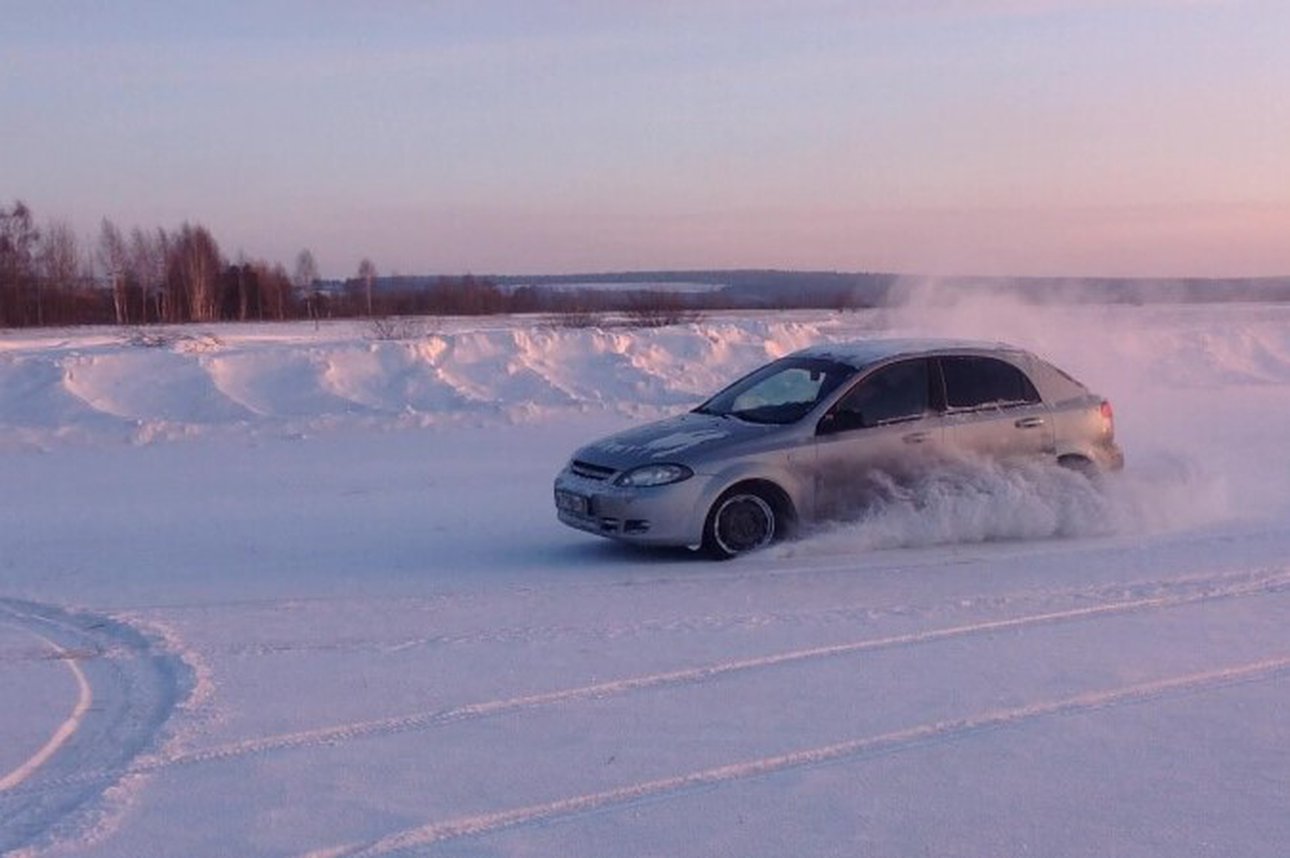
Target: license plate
572,503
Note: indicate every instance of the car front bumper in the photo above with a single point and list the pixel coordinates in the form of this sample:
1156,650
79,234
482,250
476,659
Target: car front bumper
657,515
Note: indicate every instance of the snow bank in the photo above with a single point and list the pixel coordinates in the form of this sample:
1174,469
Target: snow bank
292,378
99,384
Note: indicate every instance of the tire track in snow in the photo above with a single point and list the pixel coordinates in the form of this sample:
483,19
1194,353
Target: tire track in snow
703,673
860,611
772,569
890,742
1262,584
134,684
752,569
84,697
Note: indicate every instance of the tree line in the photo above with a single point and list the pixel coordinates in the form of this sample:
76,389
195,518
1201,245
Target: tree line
49,276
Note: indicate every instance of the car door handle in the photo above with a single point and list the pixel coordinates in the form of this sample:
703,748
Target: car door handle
917,437
1029,422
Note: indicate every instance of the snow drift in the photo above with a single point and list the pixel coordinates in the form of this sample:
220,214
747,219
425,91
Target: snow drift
98,384
175,383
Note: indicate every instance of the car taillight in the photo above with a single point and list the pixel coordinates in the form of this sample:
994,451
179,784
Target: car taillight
1108,417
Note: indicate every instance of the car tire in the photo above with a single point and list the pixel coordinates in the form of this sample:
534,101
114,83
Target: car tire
742,520
1081,465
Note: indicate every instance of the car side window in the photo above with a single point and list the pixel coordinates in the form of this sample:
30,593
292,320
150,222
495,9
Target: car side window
982,382
890,395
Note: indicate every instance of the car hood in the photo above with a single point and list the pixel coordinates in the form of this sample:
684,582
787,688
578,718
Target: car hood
686,438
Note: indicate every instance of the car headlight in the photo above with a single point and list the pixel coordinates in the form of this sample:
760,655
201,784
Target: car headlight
654,475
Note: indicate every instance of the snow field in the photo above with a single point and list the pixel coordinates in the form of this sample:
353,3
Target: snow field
317,591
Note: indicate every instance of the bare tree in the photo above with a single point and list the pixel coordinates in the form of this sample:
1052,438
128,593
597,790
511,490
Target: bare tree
57,258
305,280
148,269
277,281
241,274
114,261
18,237
367,273
652,309
194,266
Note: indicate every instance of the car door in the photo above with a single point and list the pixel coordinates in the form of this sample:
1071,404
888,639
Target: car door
885,424
993,409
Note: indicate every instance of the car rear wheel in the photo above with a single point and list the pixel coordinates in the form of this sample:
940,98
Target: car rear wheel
1087,467
1080,465
740,521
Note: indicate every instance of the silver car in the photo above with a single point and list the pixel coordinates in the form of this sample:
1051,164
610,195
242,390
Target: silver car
801,437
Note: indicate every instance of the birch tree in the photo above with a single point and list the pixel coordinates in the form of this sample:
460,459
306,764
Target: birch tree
148,269
114,262
306,275
367,273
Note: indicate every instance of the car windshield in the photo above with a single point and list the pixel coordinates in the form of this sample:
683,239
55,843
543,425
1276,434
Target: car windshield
781,392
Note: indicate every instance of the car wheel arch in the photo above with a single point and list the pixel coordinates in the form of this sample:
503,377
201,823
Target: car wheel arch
780,502
1079,463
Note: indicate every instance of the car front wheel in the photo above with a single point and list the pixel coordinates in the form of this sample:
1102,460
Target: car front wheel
740,521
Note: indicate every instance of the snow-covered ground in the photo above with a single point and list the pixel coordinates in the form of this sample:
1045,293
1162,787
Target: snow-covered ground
271,590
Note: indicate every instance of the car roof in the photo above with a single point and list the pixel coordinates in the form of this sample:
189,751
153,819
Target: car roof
863,353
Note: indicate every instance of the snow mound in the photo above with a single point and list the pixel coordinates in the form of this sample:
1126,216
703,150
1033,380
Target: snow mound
295,379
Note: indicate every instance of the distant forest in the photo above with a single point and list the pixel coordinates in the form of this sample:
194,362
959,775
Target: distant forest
140,277
144,277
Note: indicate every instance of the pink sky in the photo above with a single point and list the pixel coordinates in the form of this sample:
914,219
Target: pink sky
966,136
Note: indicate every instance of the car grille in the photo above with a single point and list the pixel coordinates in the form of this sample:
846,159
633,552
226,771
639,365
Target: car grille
590,471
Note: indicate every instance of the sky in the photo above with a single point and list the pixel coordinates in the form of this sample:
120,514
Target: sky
981,137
